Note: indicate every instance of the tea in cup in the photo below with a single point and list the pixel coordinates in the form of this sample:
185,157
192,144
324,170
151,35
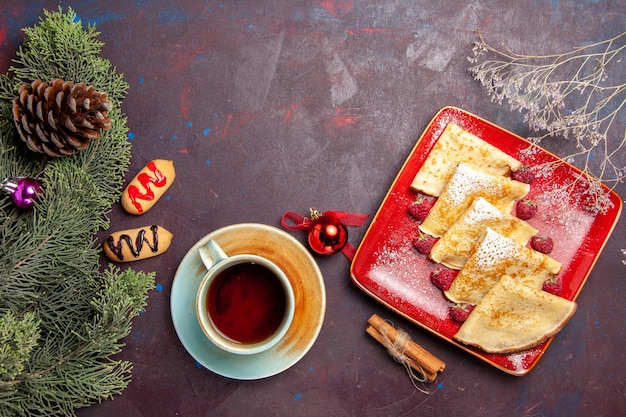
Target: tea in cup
245,303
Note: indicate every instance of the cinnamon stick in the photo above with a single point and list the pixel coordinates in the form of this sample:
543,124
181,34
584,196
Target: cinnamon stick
419,358
414,365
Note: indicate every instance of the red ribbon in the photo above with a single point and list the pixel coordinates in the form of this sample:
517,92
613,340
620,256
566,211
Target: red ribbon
299,222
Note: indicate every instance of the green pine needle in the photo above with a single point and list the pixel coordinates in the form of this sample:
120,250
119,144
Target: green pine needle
61,318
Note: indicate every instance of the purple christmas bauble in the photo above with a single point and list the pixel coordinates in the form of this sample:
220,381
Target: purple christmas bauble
23,191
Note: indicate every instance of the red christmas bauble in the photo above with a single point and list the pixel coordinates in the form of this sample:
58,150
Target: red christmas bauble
327,234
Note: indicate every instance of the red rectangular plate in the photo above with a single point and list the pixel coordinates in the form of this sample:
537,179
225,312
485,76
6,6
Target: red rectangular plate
388,268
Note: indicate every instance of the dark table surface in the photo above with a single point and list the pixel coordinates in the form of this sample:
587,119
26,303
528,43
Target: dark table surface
274,106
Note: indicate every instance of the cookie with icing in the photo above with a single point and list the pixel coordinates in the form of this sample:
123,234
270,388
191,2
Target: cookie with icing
148,186
136,244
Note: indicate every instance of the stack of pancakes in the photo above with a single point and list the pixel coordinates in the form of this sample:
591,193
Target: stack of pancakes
499,274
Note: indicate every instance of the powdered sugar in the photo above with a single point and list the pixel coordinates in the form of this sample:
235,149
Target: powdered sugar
466,181
518,360
494,248
407,280
560,219
481,211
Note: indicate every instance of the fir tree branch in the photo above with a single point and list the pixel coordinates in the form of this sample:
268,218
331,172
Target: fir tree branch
61,318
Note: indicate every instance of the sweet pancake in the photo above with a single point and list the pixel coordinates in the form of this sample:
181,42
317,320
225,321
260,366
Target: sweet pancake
466,184
513,317
494,256
457,145
455,245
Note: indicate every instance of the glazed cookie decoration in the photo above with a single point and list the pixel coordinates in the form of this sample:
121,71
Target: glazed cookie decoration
136,244
148,186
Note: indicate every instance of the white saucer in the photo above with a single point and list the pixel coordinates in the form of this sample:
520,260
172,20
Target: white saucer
309,291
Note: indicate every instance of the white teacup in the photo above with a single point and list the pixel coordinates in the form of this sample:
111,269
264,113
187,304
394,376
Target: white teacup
245,303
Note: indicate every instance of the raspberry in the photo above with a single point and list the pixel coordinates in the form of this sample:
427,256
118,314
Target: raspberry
424,243
461,311
526,209
524,174
420,207
442,278
543,244
553,285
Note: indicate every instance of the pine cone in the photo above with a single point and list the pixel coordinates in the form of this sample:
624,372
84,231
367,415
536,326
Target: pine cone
60,118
